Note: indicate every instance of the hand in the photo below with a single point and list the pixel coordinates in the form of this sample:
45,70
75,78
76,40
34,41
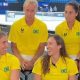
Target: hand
78,64
29,65
23,64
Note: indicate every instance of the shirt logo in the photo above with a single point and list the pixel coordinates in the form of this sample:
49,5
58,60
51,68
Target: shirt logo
63,70
6,69
35,31
22,30
65,34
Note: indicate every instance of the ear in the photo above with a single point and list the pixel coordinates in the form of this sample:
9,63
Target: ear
76,13
59,46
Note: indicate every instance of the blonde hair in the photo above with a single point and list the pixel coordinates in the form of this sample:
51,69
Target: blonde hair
31,2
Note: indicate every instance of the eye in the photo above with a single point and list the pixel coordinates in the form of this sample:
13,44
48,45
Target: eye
5,42
70,12
65,11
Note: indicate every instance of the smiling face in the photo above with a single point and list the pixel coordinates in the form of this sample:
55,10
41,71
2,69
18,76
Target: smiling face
52,47
3,45
70,13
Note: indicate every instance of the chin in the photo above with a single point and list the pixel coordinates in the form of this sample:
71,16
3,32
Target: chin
50,54
4,52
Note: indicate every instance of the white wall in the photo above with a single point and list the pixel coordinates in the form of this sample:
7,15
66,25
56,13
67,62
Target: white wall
51,21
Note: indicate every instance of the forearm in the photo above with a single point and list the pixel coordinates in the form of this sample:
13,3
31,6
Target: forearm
78,55
15,75
39,52
72,77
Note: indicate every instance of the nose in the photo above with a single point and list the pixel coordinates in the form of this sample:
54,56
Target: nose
29,13
67,14
47,46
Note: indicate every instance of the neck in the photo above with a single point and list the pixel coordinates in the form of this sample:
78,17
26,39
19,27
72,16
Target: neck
1,55
55,58
29,21
70,24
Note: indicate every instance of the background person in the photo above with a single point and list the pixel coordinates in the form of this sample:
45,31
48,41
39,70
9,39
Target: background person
9,64
28,36
55,64
69,29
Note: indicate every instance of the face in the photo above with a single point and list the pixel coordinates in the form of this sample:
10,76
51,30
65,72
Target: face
30,11
3,45
52,47
70,13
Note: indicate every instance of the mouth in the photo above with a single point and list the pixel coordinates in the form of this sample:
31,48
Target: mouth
4,49
49,51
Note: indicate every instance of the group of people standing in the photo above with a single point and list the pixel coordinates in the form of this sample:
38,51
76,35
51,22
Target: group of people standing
29,36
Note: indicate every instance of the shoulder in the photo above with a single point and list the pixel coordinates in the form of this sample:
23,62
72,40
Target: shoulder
13,61
16,25
77,22
61,24
40,21
11,57
18,22
38,61
61,27
70,61
71,66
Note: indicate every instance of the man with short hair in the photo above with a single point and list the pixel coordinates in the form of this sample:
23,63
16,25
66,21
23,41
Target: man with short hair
28,36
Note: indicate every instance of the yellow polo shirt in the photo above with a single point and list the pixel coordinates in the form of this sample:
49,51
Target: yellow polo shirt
27,37
8,63
71,37
61,71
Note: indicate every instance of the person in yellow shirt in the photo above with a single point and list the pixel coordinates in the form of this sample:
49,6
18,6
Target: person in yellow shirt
28,36
69,29
9,64
55,64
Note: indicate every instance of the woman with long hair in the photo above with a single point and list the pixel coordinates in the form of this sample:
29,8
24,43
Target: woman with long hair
55,64
69,29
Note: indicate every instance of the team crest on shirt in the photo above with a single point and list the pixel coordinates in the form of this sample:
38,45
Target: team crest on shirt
22,30
64,70
78,33
6,69
35,31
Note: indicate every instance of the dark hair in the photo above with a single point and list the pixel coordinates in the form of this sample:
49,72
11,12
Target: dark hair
76,7
78,16
46,57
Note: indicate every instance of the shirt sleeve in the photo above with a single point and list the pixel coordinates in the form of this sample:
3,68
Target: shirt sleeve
12,34
44,34
58,30
15,63
72,68
37,67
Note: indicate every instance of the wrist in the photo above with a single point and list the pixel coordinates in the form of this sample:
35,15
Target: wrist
78,58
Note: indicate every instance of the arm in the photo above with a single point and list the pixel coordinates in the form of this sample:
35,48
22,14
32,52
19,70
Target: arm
72,70
72,77
15,51
39,52
15,75
17,54
43,40
37,77
41,47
